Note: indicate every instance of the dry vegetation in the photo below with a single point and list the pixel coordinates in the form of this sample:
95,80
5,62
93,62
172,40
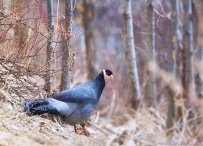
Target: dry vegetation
144,127
22,67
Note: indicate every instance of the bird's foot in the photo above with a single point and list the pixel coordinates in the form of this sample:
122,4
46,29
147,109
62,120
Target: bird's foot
75,128
85,130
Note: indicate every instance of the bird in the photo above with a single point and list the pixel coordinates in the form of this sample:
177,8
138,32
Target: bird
74,105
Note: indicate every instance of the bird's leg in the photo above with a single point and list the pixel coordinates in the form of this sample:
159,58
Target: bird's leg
75,128
85,130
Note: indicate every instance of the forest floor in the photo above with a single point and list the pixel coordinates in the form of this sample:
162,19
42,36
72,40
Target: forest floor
143,127
16,128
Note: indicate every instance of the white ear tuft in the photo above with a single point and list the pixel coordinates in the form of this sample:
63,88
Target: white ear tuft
104,72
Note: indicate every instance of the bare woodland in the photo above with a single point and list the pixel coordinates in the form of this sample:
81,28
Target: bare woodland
153,47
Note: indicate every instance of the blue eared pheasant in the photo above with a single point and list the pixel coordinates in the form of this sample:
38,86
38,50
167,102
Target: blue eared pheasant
75,105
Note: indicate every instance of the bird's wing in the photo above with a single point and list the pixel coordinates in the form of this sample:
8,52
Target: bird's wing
64,108
77,94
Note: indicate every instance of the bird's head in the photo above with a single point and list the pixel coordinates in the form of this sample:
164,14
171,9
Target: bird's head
107,74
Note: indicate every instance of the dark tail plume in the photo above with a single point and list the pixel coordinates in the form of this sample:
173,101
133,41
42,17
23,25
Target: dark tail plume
38,107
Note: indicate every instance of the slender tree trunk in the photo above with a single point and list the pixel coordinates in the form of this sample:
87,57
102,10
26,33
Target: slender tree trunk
189,81
6,6
135,93
88,15
66,52
172,64
198,63
20,30
151,85
50,28
199,77
83,52
6,11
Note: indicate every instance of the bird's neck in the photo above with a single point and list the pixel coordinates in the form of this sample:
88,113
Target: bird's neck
100,84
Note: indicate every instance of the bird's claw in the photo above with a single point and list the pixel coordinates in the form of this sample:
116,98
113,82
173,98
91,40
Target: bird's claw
85,130
75,128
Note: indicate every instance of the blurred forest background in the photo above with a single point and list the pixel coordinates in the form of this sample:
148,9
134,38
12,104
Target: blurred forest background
153,47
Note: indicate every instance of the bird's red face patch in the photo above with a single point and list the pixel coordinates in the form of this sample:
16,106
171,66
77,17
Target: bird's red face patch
108,72
107,75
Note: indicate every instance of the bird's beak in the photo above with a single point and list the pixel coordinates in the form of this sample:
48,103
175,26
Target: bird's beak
111,76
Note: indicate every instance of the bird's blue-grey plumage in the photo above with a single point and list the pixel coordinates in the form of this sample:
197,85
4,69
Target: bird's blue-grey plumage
75,105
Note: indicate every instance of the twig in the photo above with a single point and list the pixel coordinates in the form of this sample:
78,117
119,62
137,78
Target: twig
5,126
145,143
98,128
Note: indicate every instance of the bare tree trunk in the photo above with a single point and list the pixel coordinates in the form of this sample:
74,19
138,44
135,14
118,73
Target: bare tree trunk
189,82
83,52
6,4
66,52
20,30
198,63
135,93
6,11
199,77
172,64
50,28
151,85
88,15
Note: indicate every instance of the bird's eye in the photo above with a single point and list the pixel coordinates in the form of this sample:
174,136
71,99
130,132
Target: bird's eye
108,73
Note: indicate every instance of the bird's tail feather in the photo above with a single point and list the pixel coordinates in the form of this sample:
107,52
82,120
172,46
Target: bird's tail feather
38,107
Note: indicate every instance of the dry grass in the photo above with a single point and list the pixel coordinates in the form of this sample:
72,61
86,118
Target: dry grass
36,130
144,127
